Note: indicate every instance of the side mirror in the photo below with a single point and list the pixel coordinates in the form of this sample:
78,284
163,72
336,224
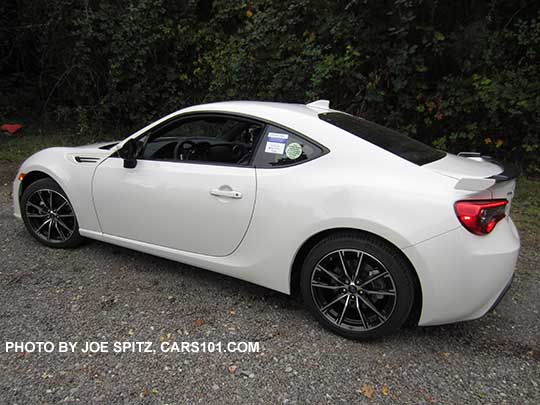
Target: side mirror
128,153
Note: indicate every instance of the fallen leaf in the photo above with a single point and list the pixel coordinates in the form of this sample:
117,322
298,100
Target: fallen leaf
199,322
232,369
535,354
385,390
367,391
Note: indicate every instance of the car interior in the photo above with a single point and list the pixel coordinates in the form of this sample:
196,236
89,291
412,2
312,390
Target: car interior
209,139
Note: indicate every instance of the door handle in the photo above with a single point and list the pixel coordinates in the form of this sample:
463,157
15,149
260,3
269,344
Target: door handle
226,193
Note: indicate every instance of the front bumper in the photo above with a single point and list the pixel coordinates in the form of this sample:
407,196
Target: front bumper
15,194
463,275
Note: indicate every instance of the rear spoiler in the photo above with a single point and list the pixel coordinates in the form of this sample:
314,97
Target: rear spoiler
509,172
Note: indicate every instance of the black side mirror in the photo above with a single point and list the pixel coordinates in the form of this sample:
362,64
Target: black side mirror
128,152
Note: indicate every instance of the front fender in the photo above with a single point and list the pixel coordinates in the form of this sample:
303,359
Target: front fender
74,179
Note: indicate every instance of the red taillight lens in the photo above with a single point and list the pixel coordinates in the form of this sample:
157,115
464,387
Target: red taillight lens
480,216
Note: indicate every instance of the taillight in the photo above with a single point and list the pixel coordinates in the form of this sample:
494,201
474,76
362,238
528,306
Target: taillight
480,216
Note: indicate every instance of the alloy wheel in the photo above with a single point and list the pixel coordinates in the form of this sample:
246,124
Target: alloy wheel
353,290
50,215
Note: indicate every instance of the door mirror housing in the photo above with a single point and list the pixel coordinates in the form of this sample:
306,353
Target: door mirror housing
128,152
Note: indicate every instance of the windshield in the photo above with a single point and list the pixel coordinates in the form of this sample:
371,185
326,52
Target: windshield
388,139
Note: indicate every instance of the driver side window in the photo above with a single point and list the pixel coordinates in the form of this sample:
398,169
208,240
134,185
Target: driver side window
209,139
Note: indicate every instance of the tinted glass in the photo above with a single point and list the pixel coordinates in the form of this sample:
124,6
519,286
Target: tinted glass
280,148
208,139
388,139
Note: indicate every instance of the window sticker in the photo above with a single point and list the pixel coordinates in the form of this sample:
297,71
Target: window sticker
275,143
293,151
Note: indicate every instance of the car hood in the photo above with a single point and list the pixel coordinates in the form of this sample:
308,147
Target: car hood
459,167
95,147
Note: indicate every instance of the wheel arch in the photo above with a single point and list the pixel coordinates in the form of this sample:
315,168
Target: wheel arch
31,177
34,173
305,248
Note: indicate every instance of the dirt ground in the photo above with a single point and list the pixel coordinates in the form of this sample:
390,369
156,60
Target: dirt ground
106,293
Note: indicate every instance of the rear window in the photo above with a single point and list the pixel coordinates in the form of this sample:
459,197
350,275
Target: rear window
388,139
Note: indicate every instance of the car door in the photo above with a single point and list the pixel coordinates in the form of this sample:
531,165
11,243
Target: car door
195,206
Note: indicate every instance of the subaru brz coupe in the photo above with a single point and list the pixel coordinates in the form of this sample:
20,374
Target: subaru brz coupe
374,229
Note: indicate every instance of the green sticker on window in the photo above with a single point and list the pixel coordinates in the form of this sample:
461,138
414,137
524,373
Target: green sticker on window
293,151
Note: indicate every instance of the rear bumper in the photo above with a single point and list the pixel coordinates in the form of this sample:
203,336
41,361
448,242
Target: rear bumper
501,295
462,275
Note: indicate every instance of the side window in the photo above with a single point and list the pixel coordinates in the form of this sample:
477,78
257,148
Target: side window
207,139
280,148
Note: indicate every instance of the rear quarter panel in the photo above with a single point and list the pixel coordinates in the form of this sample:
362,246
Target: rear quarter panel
357,186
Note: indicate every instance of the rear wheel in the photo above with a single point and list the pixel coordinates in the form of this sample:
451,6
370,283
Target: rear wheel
357,286
49,216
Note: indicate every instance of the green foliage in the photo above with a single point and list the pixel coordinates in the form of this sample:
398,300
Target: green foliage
461,75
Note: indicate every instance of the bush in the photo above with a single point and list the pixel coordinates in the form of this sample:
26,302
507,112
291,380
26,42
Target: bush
461,75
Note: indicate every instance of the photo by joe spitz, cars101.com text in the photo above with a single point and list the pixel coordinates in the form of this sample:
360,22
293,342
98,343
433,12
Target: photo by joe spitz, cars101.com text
373,229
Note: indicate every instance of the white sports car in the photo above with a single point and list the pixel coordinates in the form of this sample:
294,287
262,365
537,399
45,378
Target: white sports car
373,228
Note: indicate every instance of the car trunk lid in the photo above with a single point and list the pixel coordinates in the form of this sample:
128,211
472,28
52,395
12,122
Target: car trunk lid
474,172
460,167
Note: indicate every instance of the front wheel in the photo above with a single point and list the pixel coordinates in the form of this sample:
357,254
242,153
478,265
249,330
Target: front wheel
357,286
49,216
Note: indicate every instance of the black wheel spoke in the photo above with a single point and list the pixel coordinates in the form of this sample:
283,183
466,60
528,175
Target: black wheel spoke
371,292
320,268
371,280
62,224
330,287
42,200
49,230
344,310
360,257
342,260
364,323
61,206
372,307
36,215
327,306
60,233
43,224
37,207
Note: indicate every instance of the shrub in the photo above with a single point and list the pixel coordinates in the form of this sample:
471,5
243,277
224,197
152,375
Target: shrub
461,75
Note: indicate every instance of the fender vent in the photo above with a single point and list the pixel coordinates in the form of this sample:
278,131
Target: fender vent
86,159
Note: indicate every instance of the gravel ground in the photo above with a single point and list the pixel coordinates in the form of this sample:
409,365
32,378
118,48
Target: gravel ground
101,292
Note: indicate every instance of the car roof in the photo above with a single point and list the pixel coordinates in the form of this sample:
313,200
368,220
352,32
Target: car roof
302,118
262,109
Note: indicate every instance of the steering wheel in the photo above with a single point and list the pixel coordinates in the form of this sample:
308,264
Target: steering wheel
238,151
184,150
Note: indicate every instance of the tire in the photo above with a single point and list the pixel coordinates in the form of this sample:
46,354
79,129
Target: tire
53,225
376,303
